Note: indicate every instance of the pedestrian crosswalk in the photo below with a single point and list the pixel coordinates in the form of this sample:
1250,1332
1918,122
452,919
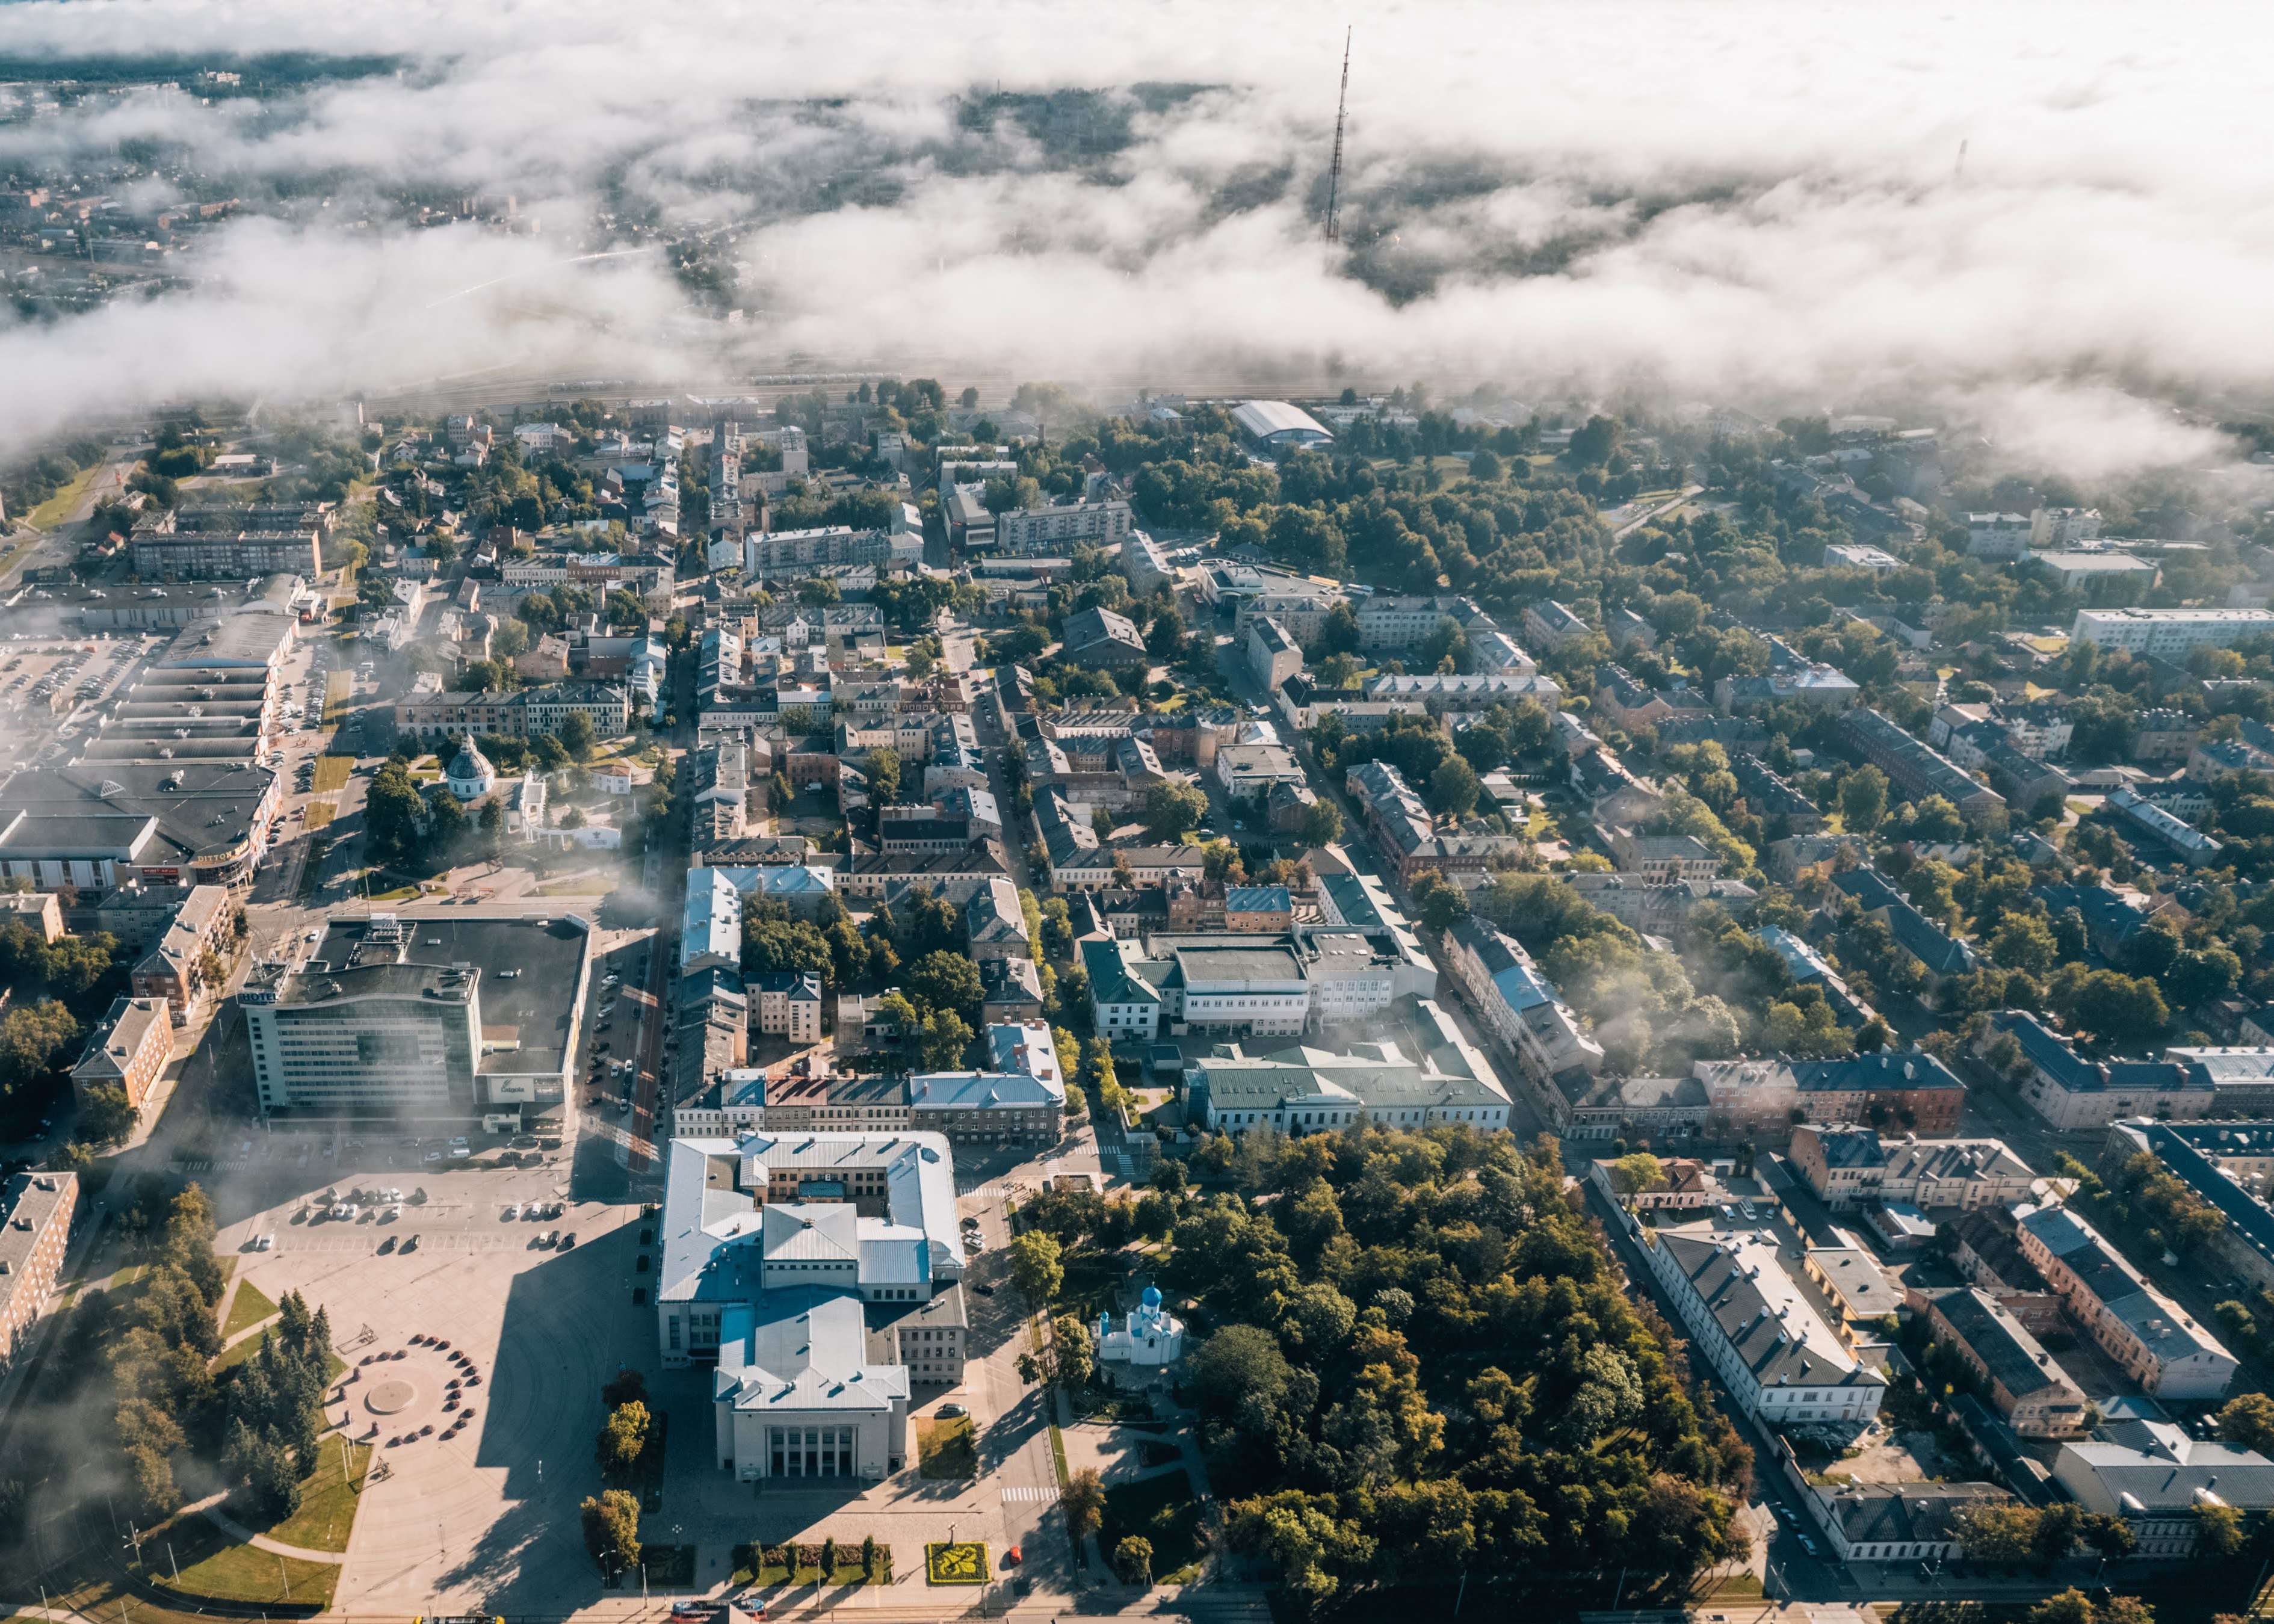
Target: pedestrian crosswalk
1013,1494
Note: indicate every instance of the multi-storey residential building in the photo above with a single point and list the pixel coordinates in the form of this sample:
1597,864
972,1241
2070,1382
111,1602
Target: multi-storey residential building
1057,528
1906,1523
1010,991
1449,694
1076,867
1663,859
880,873
740,1100
2063,527
1769,795
174,967
2026,1385
1905,1087
1250,908
130,1050
1658,907
226,545
1549,625
1623,701
1791,678
1020,1097
1273,655
1388,624
2223,1163
2189,843
1516,1004
1938,955
38,911
2071,1093
793,553
1997,535
1848,1166
1755,1326
2170,633
1914,769
788,1004
995,924
2158,1344
35,1223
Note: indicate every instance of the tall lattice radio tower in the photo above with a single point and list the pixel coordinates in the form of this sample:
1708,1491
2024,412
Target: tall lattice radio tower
1335,169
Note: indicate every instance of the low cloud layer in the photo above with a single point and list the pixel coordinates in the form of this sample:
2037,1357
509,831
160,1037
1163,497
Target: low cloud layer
1761,205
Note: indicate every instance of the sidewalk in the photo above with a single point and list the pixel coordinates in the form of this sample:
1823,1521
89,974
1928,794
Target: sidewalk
210,1509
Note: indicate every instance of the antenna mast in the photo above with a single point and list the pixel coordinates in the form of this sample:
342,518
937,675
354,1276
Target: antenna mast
1335,170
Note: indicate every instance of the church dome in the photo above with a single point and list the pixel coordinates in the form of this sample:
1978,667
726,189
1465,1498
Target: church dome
469,774
1151,1296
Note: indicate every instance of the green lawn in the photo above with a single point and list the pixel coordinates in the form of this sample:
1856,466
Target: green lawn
320,813
327,1501
948,1448
52,512
339,688
216,1567
332,773
335,1366
247,1309
1162,1510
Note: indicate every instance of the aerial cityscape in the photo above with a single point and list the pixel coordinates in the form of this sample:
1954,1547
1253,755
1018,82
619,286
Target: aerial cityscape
1042,814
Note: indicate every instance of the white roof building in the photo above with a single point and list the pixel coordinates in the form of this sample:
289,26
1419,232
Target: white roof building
1276,423
784,1259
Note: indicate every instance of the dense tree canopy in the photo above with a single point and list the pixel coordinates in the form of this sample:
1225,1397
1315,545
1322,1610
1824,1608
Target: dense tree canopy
1419,1355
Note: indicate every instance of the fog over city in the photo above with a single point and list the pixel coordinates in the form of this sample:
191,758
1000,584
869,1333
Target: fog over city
2052,232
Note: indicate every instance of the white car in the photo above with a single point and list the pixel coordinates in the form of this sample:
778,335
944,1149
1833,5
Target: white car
267,1243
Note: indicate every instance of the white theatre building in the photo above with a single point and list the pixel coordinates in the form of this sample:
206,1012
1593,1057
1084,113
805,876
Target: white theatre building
820,1275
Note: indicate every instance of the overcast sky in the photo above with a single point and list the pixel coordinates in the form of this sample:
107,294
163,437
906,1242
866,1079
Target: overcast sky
1756,204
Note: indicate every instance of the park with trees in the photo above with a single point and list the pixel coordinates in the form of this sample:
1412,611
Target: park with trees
1413,1360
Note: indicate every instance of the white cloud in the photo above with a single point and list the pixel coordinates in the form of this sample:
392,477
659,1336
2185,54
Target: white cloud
1756,202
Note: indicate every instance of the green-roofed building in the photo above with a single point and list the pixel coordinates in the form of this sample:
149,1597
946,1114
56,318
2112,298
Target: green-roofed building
1301,1089
1125,994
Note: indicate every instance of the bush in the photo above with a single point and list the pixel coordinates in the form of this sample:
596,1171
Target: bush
1132,1561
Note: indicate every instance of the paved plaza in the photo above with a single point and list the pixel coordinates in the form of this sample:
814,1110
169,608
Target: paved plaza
485,1516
